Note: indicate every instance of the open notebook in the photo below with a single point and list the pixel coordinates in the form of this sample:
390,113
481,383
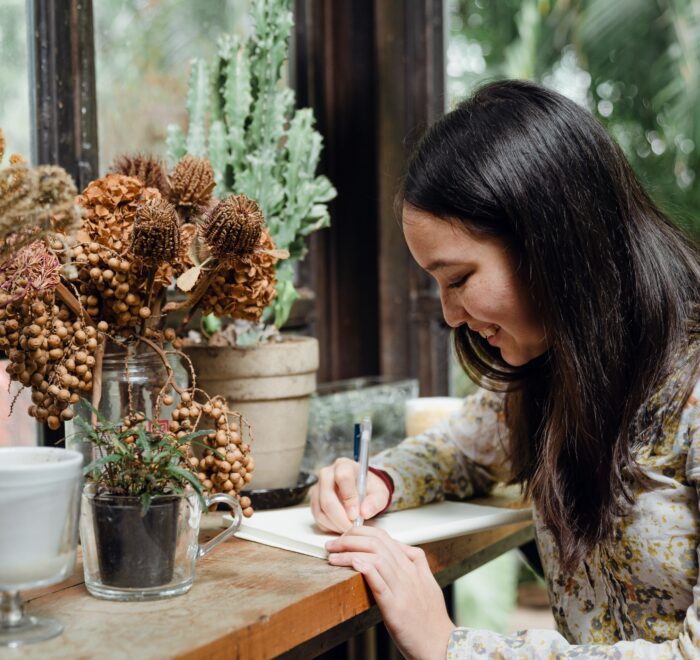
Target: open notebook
294,529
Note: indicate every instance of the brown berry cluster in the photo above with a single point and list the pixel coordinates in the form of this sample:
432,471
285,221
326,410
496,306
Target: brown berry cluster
108,289
50,351
226,465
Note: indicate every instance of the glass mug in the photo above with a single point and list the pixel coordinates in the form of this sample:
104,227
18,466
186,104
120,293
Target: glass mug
39,498
129,555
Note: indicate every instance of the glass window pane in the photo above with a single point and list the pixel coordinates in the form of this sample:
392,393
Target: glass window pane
15,119
143,51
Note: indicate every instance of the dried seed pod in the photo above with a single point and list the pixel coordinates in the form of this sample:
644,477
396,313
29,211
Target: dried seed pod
146,169
155,237
191,185
233,227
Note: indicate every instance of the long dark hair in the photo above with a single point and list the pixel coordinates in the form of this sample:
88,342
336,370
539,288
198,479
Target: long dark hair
617,286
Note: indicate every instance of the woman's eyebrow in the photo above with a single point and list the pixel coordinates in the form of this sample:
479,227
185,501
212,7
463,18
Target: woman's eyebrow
439,264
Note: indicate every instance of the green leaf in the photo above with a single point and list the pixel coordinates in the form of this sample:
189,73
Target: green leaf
188,476
146,499
143,443
98,463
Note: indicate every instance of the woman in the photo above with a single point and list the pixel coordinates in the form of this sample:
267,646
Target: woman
574,304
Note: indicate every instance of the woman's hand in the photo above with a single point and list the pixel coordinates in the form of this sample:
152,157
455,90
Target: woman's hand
334,499
406,592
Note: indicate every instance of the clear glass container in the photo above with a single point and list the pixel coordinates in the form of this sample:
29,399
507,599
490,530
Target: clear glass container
131,382
336,407
132,555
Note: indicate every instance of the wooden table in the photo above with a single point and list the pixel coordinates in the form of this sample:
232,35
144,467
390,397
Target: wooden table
248,601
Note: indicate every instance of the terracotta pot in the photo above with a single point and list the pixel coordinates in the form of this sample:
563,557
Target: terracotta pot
270,386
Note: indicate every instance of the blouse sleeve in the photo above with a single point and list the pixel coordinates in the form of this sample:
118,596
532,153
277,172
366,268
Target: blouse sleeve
463,456
535,644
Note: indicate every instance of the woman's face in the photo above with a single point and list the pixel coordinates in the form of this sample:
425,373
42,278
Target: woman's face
479,285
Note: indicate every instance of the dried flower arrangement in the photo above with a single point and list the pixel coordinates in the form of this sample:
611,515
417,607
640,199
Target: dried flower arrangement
63,295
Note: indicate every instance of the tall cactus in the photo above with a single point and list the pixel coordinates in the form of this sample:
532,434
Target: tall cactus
243,118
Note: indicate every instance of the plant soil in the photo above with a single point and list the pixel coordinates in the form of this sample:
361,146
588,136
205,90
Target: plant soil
135,550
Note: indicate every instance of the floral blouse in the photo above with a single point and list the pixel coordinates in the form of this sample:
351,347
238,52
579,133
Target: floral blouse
636,597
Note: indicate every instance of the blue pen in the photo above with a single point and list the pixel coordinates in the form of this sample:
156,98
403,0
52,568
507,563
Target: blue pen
356,444
365,437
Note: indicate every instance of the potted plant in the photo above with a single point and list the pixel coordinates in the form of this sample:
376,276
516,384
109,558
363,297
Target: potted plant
242,117
140,512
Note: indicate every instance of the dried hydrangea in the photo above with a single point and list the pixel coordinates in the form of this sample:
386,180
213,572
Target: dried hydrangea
110,205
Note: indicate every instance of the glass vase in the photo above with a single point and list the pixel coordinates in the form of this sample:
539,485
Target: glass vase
132,379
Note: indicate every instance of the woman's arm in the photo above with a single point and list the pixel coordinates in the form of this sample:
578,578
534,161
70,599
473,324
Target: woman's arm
463,456
417,619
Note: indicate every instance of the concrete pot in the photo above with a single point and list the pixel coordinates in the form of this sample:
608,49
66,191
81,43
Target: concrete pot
270,386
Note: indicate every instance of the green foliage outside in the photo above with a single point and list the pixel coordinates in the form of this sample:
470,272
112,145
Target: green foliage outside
15,117
242,117
143,53
634,63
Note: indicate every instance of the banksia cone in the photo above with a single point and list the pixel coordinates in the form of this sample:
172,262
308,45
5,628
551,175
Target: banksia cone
155,237
146,169
233,227
191,185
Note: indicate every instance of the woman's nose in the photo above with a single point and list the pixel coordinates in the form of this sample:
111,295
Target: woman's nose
453,310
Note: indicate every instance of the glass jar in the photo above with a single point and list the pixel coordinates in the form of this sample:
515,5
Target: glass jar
132,555
132,378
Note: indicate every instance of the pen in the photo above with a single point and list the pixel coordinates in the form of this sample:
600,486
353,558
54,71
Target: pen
365,437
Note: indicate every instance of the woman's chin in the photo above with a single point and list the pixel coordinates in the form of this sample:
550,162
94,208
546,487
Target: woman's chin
514,358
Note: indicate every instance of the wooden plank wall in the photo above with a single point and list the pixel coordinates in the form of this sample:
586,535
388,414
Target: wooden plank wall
373,72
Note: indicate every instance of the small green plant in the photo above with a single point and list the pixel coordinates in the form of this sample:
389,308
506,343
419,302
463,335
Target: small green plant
136,462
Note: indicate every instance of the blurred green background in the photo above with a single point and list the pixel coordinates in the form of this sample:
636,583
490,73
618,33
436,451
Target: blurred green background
634,63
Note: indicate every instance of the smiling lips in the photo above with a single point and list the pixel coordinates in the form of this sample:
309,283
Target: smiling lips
488,331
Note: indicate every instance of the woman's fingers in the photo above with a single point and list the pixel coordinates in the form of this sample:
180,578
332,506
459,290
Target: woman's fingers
346,485
329,510
371,541
335,501
376,497
375,581
383,563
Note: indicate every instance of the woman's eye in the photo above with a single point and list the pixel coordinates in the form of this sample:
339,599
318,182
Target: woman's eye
458,283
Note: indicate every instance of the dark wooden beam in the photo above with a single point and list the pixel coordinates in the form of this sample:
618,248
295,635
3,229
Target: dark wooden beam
414,339
372,70
65,109
334,74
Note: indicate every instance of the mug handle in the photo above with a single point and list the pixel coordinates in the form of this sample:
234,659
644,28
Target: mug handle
237,515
